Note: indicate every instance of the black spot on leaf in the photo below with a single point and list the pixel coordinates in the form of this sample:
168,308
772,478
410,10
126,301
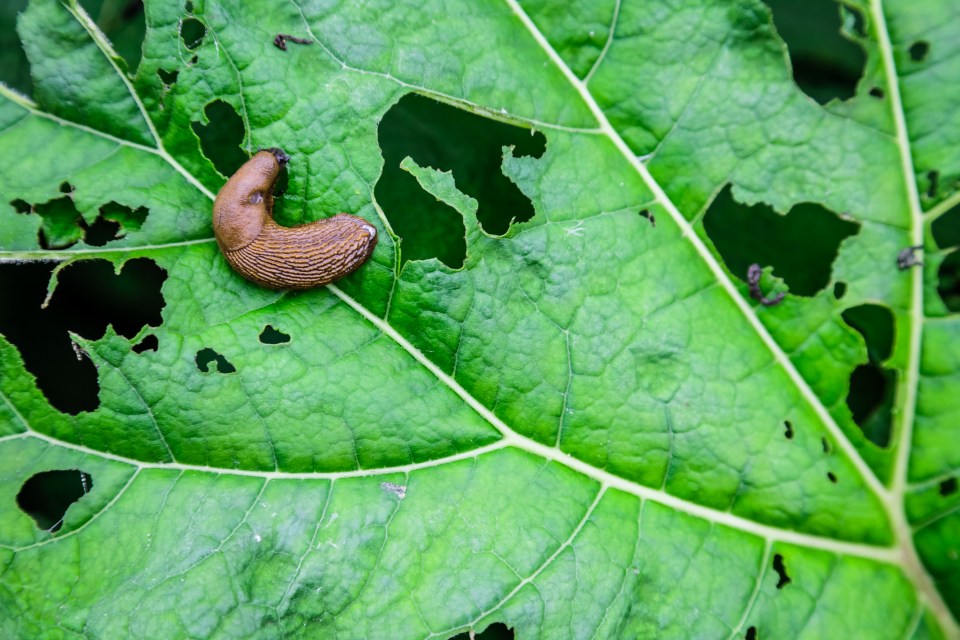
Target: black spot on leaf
206,356
781,569
449,139
800,246
948,487
89,296
839,290
919,50
270,335
47,495
788,429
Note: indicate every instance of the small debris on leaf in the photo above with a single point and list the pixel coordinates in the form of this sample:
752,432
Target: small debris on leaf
753,280
908,258
280,42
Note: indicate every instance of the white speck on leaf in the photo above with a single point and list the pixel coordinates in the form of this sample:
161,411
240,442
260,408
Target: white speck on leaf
399,490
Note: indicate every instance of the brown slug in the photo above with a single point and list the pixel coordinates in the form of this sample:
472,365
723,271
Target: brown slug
277,257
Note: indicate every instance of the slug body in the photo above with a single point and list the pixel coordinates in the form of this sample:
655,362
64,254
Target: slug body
277,257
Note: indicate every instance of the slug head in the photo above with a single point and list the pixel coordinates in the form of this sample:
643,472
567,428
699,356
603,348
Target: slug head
245,202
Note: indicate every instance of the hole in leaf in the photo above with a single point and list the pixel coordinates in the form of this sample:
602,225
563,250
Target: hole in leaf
449,139
206,356
948,487
124,24
101,232
751,634
826,64
149,343
839,290
832,477
919,50
875,324
66,187
800,246
649,216
47,495
89,296
21,206
948,281
788,429
14,67
877,92
188,6
946,228
496,631
781,570
825,445
168,78
933,177
221,137
870,398
192,32
273,336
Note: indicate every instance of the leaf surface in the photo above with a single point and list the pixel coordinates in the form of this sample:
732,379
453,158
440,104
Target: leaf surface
590,430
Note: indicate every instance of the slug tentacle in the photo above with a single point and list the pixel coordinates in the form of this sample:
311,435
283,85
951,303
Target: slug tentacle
277,257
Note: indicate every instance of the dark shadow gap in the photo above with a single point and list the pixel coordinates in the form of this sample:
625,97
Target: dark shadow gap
946,228
124,24
872,386
89,296
270,335
47,495
207,356
449,139
800,246
496,631
948,282
221,137
826,64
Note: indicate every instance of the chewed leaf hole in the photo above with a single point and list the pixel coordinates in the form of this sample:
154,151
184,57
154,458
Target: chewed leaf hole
221,137
89,296
919,50
788,429
751,634
443,137
839,290
826,64
168,78
825,445
206,356
646,213
192,32
832,477
870,398
933,183
270,335
496,631
946,228
948,487
948,281
149,343
877,92
800,246
781,569
46,496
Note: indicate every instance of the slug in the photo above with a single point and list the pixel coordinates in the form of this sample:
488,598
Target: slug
277,257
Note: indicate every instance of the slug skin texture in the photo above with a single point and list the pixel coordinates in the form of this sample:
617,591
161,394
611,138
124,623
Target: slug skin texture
302,257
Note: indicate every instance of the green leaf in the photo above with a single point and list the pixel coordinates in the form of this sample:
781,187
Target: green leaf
592,429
